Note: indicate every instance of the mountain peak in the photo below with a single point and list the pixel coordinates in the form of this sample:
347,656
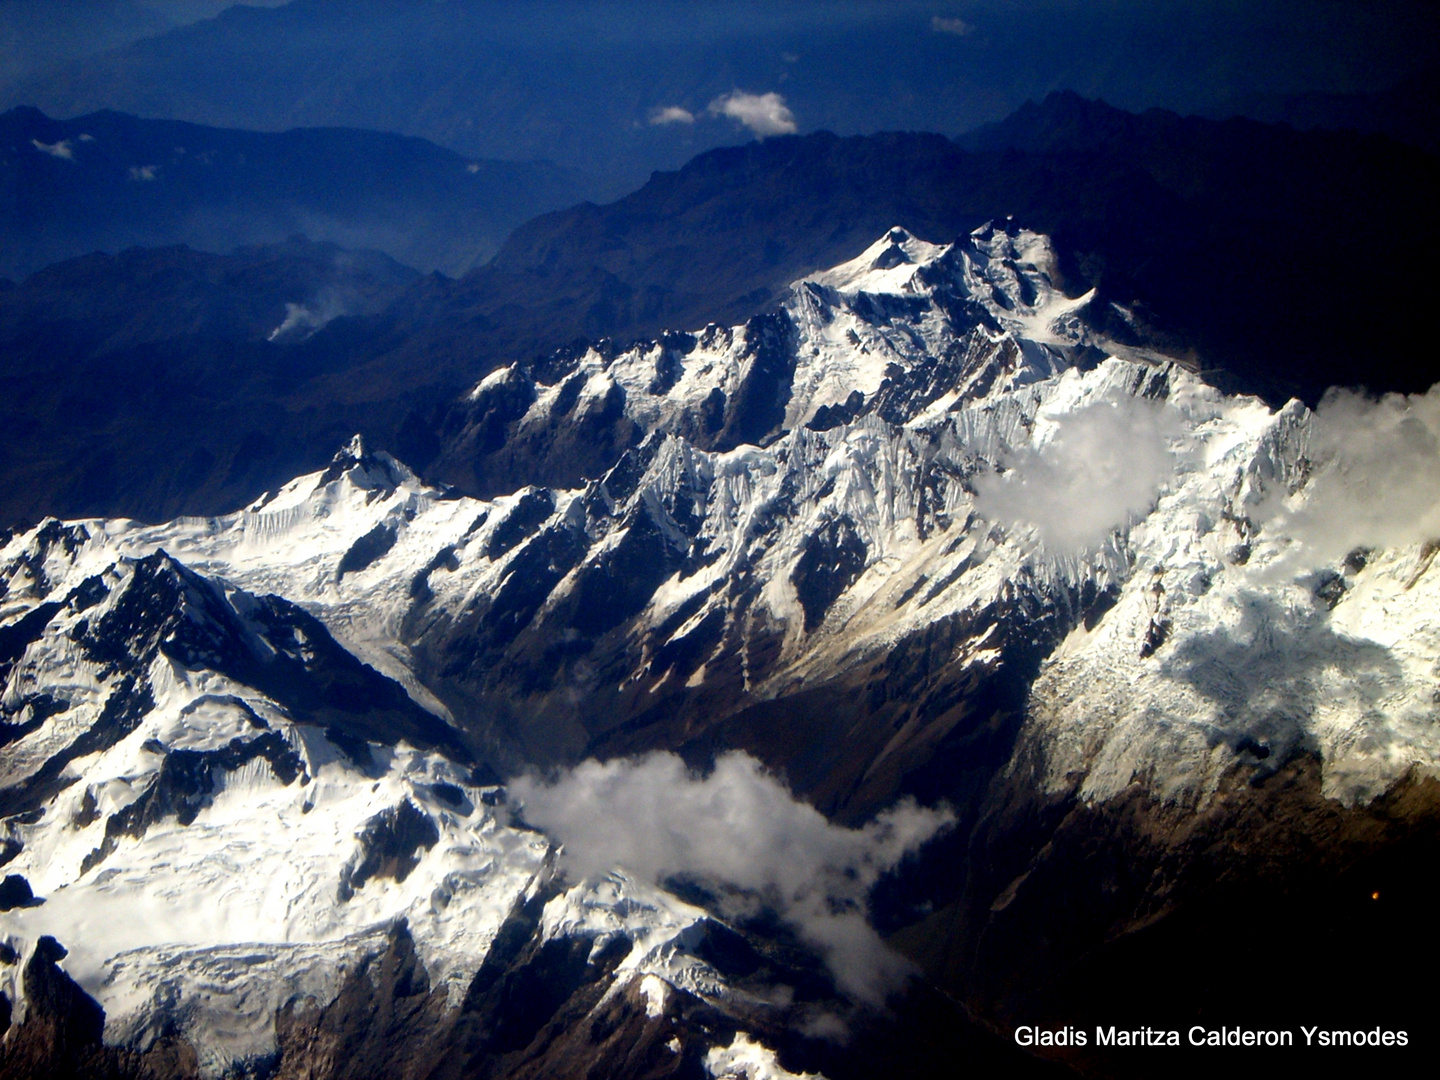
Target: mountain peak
887,266
367,469
354,450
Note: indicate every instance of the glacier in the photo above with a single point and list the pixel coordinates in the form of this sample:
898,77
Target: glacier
240,749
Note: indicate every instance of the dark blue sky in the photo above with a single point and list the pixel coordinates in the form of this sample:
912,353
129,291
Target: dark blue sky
582,81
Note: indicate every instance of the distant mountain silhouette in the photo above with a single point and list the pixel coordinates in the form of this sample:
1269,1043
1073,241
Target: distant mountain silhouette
1280,262
166,377
1408,112
575,81
109,181
1235,241
1291,260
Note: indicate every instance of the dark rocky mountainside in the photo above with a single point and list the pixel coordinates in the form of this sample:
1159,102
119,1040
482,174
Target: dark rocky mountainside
1146,208
1211,256
1206,230
1158,772
1408,112
109,181
160,377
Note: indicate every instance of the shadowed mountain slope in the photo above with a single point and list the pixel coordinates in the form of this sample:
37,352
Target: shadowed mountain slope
108,181
1276,261
162,377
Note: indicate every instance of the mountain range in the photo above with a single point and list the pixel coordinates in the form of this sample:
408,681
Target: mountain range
1408,112
908,662
108,181
618,89
1200,236
844,602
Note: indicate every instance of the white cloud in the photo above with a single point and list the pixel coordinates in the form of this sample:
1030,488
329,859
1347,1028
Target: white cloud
738,826
764,114
949,25
61,149
745,1057
302,320
142,172
1102,468
1375,476
671,114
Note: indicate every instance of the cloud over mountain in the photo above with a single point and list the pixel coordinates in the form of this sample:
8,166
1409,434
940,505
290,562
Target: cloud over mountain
739,826
764,114
1375,479
1102,466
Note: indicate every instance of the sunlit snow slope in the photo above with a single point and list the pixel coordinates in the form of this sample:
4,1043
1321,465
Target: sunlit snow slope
918,511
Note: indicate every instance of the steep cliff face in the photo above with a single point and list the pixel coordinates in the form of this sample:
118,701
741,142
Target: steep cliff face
1089,665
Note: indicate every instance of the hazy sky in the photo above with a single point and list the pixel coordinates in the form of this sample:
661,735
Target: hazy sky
37,33
1306,44
611,86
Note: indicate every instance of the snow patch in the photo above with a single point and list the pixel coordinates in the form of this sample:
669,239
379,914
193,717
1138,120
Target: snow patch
746,1059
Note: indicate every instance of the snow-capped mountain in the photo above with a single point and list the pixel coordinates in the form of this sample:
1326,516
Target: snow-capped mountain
922,533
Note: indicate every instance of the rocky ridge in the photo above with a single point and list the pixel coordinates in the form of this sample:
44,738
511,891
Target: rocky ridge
844,538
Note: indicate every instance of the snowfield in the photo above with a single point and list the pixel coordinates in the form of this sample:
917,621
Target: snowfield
213,841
